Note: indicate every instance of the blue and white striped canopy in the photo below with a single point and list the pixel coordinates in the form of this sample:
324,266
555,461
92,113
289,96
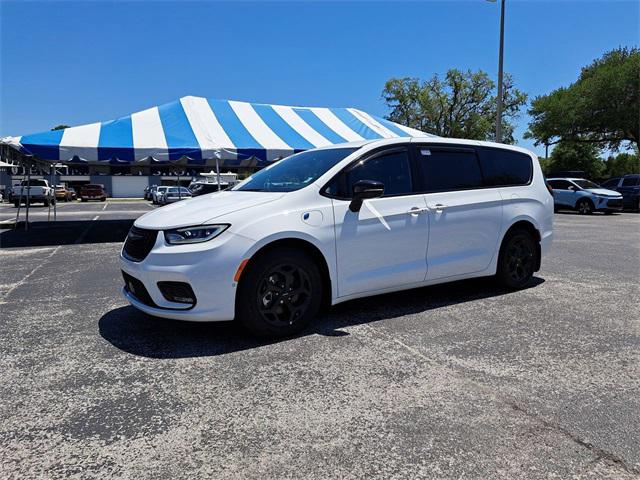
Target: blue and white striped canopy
201,129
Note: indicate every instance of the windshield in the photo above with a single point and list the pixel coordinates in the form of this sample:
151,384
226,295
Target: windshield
294,172
586,184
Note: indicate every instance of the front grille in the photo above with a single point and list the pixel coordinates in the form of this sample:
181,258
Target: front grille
139,243
136,288
615,203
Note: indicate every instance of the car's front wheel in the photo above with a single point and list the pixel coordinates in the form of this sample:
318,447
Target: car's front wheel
279,294
584,207
517,259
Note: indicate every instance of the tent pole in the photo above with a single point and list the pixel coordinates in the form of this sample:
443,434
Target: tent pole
218,171
26,222
55,202
15,225
54,193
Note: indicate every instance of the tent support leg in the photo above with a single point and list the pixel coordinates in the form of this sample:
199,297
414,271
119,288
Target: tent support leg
218,171
54,193
26,222
15,225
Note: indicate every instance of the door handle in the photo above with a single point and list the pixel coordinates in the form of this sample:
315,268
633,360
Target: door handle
438,207
417,210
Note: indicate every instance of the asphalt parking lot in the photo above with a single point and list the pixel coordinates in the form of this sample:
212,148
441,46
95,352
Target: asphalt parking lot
459,380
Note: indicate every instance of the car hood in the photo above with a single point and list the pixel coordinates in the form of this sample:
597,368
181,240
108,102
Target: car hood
203,209
603,191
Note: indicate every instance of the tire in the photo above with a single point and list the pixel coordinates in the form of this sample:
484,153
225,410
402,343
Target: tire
264,304
46,202
584,207
83,200
517,259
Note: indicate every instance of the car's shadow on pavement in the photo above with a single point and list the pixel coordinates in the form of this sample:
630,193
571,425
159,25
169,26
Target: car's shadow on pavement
66,232
137,333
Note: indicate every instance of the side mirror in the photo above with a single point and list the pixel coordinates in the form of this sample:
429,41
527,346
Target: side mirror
572,188
364,189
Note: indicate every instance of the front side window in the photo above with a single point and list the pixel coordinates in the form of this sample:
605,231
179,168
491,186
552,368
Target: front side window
294,172
392,169
503,168
630,181
559,184
448,169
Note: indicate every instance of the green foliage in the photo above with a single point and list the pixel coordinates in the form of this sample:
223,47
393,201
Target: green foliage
545,164
622,164
576,156
462,105
60,127
602,107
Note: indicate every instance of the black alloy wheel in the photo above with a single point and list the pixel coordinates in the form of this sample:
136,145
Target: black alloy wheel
520,259
517,260
279,293
284,295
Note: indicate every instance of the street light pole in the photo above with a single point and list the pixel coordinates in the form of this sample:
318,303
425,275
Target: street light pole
500,75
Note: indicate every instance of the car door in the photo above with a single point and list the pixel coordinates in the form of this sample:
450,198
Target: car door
562,192
465,218
384,244
628,187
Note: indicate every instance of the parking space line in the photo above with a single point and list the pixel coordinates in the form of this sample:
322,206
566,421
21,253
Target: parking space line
86,230
26,277
105,206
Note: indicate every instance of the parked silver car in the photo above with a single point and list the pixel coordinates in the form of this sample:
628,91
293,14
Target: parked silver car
173,194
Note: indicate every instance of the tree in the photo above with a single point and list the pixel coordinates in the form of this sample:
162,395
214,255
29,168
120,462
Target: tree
602,107
60,127
576,156
462,105
622,164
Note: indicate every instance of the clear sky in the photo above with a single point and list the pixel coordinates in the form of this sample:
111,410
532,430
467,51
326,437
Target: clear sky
80,62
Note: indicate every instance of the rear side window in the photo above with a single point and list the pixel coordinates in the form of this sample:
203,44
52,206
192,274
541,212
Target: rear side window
447,169
503,168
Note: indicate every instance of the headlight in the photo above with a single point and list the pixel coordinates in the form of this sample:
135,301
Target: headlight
199,234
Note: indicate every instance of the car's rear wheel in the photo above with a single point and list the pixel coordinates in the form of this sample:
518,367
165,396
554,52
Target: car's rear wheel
584,207
279,294
517,259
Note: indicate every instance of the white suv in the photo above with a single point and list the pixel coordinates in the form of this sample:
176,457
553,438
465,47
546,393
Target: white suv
347,221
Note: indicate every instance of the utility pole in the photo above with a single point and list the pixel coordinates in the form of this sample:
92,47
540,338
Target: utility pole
500,76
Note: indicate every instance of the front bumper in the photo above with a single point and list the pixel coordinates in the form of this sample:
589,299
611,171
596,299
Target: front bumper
605,204
208,267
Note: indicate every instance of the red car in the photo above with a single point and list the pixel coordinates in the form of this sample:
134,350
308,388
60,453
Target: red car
93,191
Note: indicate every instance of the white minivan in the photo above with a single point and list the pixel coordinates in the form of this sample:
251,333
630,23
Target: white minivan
337,223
